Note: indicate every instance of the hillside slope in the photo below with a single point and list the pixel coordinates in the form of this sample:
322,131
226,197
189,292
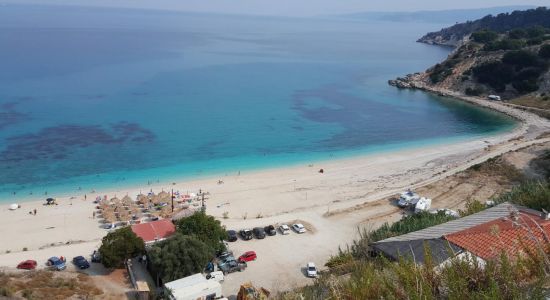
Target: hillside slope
455,35
513,64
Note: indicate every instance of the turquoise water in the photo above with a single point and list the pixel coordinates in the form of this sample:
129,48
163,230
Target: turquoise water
94,98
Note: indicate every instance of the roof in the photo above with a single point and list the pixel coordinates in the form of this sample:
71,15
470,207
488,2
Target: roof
154,231
435,232
509,234
440,250
192,287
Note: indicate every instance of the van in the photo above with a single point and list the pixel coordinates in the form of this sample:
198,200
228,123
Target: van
217,276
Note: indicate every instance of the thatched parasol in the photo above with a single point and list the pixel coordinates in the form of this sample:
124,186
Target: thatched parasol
142,199
126,200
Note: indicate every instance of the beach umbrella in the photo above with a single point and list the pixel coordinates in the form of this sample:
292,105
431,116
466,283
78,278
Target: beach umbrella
14,206
109,217
142,199
126,200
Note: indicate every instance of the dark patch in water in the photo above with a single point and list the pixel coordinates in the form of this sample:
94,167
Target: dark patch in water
354,114
57,142
9,115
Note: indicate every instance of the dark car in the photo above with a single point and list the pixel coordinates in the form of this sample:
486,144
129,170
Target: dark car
246,234
27,265
270,230
259,233
56,263
96,258
231,236
232,266
225,256
81,263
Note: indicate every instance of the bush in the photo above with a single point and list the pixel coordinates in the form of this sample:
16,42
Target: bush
521,58
484,36
525,86
119,246
205,228
504,44
471,207
179,257
544,51
476,91
532,194
517,33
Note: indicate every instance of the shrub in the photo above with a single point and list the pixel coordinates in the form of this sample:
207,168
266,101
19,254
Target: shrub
532,194
517,33
119,245
544,51
520,58
471,207
180,256
205,228
504,44
476,91
484,36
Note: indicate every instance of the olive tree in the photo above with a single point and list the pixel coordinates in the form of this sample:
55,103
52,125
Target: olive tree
119,245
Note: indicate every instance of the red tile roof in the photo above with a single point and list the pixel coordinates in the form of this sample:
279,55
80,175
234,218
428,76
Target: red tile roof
490,239
155,230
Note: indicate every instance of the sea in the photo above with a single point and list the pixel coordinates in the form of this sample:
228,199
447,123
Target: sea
99,98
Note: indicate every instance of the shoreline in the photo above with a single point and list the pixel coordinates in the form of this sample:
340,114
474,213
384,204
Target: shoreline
351,193
167,183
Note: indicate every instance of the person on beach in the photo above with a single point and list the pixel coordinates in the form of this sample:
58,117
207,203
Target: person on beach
34,211
93,215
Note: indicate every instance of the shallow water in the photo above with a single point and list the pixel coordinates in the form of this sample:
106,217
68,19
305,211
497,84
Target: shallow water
95,98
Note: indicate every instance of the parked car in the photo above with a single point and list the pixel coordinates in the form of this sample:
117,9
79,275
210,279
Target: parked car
246,234
299,228
259,233
96,257
248,256
270,230
231,236
27,265
217,276
311,270
284,229
81,263
232,266
56,263
225,256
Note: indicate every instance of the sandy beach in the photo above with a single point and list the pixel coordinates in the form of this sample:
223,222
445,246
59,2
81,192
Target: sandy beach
333,203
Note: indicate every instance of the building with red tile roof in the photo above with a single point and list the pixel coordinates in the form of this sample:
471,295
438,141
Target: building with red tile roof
521,230
154,231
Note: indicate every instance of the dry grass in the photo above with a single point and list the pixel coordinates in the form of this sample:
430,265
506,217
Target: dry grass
47,285
536,101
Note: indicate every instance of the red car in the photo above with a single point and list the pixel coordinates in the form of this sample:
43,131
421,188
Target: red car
27,265
248,256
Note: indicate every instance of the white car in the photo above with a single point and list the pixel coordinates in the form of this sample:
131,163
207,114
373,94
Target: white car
284,229
311,270
217,276
299,228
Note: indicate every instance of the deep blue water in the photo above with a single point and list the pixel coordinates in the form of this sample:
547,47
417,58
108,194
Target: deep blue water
93,98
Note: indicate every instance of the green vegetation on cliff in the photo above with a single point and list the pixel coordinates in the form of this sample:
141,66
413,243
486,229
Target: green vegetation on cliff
500,23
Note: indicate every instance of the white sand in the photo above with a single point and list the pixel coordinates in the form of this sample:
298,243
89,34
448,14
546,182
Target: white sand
276,195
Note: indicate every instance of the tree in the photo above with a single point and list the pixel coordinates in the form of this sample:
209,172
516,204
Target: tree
484,36
520,58
544,51
120,245
179,257
205,228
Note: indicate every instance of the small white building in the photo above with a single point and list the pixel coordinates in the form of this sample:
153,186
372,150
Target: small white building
193,287
494,97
